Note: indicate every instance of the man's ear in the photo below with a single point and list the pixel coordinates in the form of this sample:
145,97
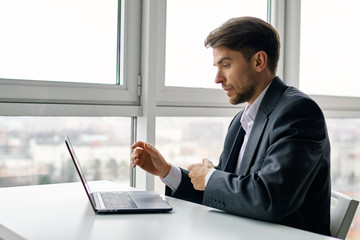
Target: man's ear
260,61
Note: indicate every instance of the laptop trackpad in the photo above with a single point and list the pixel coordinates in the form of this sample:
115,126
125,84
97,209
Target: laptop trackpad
148,199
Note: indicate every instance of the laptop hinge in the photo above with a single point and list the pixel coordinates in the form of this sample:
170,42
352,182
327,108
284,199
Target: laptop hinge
101,202
139,85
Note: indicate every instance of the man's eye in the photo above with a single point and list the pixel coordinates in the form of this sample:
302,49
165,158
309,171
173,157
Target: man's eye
226,65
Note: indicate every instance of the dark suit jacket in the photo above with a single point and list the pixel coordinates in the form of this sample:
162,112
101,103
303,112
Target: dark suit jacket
285,172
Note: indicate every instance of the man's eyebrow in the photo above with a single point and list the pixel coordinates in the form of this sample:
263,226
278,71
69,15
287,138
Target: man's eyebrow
221,60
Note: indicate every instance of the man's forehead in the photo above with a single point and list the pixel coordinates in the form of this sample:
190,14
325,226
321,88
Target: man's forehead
221,54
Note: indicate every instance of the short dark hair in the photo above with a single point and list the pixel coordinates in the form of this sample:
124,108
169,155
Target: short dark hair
247,35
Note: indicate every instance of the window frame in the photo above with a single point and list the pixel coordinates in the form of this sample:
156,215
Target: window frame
285,17
184,98
42,98
144,71
332,106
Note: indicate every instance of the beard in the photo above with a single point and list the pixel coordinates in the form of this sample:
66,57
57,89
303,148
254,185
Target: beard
244,94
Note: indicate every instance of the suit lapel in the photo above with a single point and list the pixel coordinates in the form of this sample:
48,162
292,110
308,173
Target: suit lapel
234,131
254,140
234,154
268,103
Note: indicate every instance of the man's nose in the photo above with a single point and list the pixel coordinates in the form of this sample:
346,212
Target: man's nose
219,78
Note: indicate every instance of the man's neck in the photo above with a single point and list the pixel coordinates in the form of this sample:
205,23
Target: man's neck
262,84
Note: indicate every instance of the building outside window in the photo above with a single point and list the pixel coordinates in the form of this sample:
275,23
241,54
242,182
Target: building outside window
33,151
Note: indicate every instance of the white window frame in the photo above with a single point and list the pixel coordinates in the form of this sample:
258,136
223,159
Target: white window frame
183,98
144,70
182,101
44,98
285,17
332,106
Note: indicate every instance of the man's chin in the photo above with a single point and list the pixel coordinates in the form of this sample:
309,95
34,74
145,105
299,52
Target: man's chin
233,101
236,101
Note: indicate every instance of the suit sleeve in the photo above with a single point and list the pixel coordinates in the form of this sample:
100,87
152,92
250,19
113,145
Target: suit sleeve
185,191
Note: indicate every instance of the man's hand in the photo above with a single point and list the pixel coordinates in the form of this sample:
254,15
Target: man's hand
149,158
198,173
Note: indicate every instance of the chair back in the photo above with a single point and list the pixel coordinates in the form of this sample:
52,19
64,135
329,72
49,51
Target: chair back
342,212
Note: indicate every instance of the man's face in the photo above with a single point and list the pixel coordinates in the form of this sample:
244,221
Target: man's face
235,75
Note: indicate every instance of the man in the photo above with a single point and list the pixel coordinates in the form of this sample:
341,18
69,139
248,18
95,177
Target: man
275,165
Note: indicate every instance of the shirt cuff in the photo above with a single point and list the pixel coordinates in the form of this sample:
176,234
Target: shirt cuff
208,175
173,179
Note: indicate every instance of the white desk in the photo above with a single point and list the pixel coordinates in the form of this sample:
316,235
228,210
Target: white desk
62,211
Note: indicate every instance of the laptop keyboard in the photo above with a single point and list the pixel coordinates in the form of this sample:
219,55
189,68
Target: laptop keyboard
117,200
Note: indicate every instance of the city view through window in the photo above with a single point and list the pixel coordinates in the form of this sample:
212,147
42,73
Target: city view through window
345,162
32,149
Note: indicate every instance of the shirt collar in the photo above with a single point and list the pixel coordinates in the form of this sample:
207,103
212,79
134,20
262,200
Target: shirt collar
248,117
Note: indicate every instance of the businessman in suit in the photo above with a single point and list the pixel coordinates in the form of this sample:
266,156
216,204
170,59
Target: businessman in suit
275,165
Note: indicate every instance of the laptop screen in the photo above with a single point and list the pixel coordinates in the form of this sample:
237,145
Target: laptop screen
78,168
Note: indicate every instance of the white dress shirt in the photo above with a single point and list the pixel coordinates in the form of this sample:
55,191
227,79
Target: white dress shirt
173,179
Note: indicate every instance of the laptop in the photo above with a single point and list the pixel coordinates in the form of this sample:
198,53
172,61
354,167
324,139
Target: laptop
119,201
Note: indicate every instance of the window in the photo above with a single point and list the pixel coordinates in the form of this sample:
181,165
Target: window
345,161
329,41
327,67
32,149
57,40
67,67
188,77
178,73
188,62
71,51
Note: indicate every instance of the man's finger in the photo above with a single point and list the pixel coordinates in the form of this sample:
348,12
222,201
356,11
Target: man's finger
151,150
190,167
137,152
138,144
195,166
207,162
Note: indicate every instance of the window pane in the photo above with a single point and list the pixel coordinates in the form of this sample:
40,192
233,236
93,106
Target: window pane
330,36
345,160
32,149
188,62
187,140
59,40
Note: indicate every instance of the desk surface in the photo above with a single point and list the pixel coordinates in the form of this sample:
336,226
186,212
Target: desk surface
62,211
